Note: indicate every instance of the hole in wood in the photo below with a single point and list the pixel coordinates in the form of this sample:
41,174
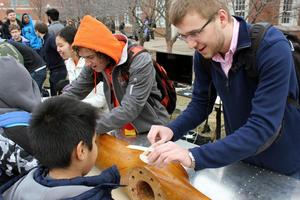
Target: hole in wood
144,191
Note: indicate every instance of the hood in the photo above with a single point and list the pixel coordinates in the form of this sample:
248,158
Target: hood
93,34
30,20
17,88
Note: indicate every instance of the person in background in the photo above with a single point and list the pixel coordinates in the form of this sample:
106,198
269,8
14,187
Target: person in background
15,32
18,94
11,19
49,53
63,139
122,28
29,33
152,25
129,90
1,29
75,64
33,62
262,127
54,24
146,28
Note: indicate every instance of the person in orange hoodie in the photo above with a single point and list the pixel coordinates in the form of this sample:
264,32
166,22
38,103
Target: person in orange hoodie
130,94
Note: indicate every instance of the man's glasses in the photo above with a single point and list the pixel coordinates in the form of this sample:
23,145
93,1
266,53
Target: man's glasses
192,35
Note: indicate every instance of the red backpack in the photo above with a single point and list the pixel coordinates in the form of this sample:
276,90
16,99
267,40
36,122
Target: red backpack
164,84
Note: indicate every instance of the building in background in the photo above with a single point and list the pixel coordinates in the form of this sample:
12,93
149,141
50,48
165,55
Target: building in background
282,13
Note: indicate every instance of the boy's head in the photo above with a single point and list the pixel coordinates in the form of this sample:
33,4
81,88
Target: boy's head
15,32
62,132
41,28
53,14
11,15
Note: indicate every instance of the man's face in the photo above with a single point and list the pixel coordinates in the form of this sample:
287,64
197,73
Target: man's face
92,60
16,34
11,16
201,34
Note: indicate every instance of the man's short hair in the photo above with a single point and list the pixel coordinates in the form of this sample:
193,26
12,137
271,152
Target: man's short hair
179,9
53,14
9,11
41,27
57,126
14,27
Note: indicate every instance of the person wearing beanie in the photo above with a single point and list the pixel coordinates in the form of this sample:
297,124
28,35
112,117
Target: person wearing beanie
129,91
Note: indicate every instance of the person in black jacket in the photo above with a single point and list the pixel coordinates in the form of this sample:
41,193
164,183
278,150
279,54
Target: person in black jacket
11,19
33,62
49,53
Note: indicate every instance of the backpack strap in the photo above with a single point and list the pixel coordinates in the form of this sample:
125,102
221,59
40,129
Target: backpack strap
133,51
257,33
15,118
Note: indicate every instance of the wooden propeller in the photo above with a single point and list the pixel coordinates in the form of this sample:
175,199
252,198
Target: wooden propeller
145,182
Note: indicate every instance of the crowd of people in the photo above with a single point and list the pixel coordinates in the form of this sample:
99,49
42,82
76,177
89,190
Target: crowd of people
57,146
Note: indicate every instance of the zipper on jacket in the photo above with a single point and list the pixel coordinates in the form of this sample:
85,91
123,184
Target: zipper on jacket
131,87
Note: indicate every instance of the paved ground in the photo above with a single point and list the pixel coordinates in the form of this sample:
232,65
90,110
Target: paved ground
159,44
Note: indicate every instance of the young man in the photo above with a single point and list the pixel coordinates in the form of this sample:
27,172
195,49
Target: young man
63,139
53,18
254,112
15,32
49,53
129,90
11,19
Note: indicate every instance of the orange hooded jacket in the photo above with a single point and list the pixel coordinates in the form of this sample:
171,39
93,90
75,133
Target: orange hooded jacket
93,34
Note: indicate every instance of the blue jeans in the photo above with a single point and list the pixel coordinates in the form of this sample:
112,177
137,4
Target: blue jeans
39,77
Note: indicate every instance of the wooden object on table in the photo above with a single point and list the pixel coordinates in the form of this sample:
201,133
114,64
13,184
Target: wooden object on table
145,182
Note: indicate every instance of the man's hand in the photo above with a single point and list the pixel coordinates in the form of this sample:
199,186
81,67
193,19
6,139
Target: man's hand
159,134
163,154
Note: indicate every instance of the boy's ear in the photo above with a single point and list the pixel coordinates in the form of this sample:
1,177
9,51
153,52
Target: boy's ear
81,151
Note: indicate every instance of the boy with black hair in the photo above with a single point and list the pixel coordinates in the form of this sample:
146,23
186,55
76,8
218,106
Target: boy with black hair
63,139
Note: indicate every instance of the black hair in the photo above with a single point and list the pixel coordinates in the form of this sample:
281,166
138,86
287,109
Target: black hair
41,27
53,14
22,19
68,34
57,126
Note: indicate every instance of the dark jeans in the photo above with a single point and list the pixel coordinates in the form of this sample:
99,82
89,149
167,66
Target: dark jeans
55,77
39,77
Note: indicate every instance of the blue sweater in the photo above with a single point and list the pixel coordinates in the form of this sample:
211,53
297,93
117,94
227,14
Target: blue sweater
253,112
29,33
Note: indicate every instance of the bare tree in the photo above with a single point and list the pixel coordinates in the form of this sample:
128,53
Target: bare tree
267,10
38,7
155,10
